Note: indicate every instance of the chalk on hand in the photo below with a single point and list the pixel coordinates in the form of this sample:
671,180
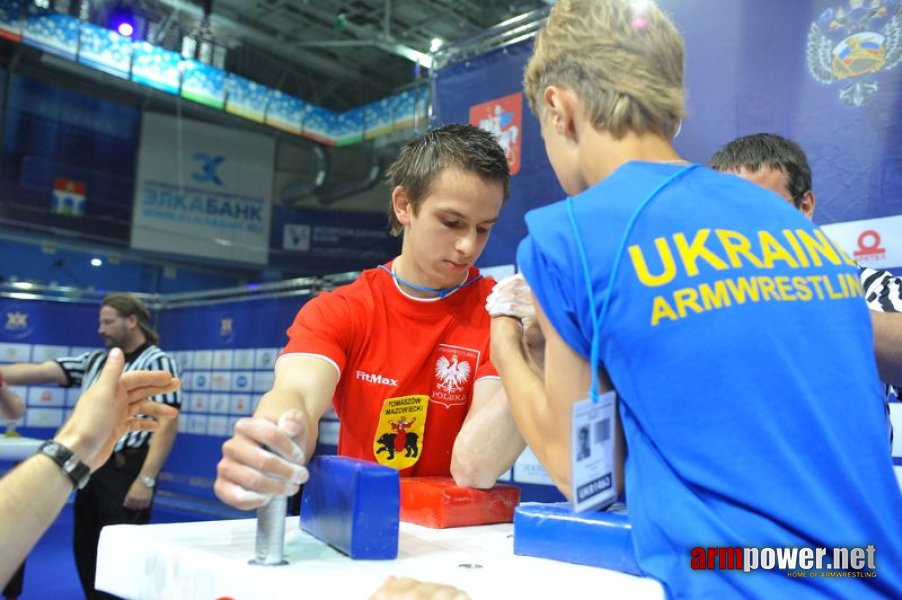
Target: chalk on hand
352,505
437,502
598,539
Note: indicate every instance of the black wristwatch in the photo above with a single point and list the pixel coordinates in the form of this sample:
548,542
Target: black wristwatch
71,465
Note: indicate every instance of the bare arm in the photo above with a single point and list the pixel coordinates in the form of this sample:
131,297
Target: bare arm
34,373
488,442
542,409
32,495
888,345
11,405
139,495
286,422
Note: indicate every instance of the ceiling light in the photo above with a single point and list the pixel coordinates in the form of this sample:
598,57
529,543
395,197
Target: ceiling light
124,20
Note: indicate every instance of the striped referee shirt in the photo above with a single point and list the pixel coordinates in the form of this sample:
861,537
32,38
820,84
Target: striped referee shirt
882,290
883,293
84,369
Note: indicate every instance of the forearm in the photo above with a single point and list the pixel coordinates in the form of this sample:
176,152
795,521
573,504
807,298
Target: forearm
31,496
534,346
489,441
33,373
546,432
11,405
888,345
159,448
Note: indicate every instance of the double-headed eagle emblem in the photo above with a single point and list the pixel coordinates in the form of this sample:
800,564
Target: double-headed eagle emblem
844,46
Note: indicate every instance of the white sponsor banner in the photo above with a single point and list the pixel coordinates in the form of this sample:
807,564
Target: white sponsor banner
44,417
528,469
498,272
15,352
875,243
203,190
42,352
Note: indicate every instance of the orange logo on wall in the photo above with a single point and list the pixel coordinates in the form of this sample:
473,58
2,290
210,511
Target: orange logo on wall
503,117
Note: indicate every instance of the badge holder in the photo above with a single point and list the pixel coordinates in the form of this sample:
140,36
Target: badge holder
592,453
592,421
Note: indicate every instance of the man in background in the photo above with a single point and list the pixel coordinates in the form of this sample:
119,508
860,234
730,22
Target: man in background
780,165
122,489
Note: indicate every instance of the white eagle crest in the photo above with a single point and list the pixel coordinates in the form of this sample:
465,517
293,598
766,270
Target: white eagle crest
860,53
453,375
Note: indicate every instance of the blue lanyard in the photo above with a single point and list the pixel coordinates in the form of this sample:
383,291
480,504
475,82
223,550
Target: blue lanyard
442,292
598,321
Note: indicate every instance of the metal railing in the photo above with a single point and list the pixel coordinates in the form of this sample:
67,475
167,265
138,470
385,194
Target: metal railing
23,290
506,33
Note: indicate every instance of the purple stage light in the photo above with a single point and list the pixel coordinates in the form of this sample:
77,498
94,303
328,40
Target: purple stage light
122,21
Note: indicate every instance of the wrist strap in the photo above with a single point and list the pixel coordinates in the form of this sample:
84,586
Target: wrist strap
71,465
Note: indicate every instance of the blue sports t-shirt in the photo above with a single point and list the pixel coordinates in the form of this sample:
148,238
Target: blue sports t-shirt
742,353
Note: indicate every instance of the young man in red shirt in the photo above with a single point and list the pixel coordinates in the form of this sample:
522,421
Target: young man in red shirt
407,341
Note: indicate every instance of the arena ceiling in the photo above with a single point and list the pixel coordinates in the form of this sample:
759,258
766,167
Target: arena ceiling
338,54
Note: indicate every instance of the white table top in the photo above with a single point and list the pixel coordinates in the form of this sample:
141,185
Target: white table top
17,448
209,560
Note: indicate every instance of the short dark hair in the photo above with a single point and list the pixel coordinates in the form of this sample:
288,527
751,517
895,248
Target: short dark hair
463,147
127,305
767,151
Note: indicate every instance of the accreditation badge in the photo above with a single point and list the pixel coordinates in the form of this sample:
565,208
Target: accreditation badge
592,453
399,436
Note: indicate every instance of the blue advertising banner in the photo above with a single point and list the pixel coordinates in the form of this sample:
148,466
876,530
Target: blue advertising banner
105,50
156,67
481,80
37,331
246,98
52,32
285,112
203,84
11,19
348,127
324,242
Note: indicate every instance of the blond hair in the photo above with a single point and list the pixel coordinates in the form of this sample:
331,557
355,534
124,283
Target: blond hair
622,58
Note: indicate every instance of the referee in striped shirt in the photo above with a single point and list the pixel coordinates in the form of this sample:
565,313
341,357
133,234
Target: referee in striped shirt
121,491
780,165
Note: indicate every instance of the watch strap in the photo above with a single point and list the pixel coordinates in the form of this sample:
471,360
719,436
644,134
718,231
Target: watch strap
71,465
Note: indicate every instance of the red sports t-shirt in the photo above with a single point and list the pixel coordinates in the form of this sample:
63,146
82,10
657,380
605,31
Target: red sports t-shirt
407,366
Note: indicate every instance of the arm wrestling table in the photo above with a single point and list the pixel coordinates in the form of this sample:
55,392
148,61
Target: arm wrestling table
209,560
18,448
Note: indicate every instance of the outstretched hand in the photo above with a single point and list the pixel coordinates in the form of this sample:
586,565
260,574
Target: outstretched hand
108,409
